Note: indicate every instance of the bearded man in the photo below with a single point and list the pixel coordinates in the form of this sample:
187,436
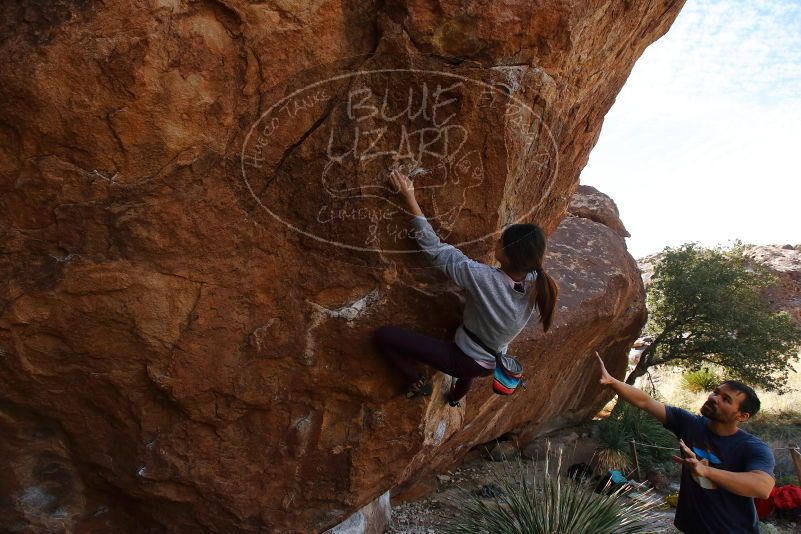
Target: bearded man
723,467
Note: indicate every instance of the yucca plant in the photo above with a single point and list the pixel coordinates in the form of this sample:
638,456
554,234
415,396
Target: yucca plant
700,381
613,447
615,433
608,459
549,503
645,429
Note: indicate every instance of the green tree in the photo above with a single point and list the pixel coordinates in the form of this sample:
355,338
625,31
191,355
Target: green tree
705,308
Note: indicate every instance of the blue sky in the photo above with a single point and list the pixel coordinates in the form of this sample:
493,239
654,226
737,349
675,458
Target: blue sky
704,140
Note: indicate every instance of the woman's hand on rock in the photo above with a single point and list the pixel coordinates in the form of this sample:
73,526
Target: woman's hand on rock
402,183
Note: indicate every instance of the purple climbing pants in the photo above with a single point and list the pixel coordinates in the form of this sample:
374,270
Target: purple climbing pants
404,349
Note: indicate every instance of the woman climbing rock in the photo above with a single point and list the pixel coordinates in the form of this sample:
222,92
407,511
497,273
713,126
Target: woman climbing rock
499,303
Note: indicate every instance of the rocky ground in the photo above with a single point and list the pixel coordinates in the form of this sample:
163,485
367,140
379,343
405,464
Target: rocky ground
479,475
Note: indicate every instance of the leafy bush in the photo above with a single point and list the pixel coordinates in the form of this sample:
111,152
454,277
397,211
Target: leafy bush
705,307
626,424
549,503
700,381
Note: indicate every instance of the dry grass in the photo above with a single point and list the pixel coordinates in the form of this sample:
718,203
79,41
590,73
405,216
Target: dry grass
669,386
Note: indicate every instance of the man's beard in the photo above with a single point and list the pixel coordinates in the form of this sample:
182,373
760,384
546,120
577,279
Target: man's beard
709,411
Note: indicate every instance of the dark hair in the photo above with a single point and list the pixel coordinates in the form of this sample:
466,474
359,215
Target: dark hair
750,404
524,245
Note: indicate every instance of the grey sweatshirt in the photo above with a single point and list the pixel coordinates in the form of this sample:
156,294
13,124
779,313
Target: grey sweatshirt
494,310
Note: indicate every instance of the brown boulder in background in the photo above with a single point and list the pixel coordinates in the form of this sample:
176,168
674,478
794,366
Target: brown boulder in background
197,244
590,203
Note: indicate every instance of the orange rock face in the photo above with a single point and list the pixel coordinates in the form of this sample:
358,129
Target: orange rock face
197,243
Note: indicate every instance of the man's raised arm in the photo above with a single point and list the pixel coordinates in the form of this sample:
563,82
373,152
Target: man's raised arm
630,394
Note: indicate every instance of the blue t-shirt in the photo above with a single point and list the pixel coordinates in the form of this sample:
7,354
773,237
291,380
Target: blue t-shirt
704,508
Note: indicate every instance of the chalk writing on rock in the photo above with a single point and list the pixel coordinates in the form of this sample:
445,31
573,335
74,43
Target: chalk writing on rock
319,158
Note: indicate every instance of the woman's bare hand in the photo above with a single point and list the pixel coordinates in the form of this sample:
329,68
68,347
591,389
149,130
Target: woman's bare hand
402,183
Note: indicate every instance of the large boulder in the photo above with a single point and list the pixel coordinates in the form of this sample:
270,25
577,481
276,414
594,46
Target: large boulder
197,244
590,203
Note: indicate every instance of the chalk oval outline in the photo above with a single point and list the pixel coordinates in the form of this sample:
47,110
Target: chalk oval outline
382,71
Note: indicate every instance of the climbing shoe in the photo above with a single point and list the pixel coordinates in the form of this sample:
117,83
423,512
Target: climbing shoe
449,397
421,388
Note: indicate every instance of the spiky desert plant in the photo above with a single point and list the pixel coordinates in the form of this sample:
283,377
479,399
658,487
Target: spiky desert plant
640,426
615,433
612,451
549,503
700,381
606,459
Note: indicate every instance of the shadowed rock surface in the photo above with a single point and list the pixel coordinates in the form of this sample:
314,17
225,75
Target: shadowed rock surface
196,245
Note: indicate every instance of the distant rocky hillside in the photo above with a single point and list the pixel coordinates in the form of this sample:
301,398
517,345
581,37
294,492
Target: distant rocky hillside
785,263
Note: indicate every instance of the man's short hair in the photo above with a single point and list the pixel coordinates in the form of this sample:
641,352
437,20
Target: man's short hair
750,404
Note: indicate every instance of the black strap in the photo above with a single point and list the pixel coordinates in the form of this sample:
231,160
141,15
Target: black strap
483,345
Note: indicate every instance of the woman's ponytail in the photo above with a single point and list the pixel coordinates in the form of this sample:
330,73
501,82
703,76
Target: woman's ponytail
545,297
